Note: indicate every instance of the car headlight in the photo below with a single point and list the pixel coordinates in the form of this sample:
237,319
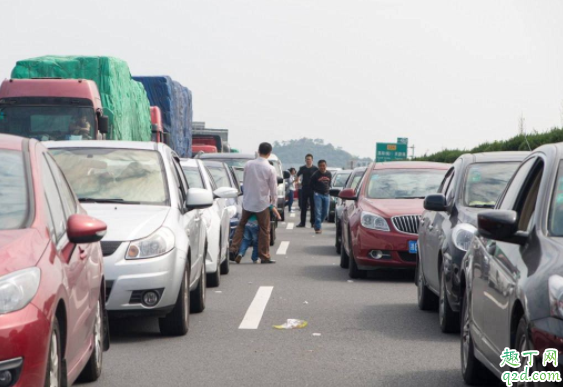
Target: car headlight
158,243
374,222
555,286
18,289
462,236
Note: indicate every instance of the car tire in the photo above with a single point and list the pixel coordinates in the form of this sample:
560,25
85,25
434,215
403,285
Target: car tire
54,373
426,299
338,243
353,271
524,344
344,258
214,279
272,235
473,371
176,323
197,296
331,217
93,369
225,268
448,318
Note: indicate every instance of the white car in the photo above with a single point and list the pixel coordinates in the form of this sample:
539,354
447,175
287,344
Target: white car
154,246
216,219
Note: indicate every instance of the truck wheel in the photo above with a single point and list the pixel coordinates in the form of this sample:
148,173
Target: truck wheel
176,323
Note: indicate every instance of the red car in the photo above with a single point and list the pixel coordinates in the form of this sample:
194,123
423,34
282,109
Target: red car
52,317
380,218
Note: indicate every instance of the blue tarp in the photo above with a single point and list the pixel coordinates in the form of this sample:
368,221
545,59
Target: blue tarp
175,103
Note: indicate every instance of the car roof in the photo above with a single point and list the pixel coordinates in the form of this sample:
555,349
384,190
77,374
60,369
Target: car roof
188,163
485,157
359,169
10,142
410,165
222,156
110,144
214,163
342,171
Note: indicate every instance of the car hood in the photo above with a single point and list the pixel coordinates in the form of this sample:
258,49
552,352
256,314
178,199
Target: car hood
20,249
394,207
128,222
469,215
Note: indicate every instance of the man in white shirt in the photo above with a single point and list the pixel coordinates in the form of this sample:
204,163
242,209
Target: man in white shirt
260,195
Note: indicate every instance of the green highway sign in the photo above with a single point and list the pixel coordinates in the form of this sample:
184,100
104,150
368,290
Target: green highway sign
402,140
388,151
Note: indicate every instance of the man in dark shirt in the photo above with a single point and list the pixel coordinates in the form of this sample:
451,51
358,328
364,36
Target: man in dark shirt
320,183
305,172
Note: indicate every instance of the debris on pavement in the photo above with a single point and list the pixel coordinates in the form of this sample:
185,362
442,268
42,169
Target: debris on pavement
292,323
316,334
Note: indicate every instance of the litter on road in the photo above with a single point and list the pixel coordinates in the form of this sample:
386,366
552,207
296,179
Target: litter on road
292,323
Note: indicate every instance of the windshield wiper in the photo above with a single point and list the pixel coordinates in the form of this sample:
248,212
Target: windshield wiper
410,197
92,200
482,206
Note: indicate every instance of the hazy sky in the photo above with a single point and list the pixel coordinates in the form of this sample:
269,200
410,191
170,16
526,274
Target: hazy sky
355,72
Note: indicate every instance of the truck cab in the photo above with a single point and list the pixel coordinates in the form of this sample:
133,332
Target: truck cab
52,109
156,121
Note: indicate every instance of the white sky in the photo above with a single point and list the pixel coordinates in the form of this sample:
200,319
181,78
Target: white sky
355,72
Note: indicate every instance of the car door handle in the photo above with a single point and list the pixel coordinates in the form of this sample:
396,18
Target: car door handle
82,253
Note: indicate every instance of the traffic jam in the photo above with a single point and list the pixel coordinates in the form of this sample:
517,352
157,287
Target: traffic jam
117,206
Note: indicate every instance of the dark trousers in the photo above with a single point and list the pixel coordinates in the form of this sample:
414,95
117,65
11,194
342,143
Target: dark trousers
300,198
307,201
263,235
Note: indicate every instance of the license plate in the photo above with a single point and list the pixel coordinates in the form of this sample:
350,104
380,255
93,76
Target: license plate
413,247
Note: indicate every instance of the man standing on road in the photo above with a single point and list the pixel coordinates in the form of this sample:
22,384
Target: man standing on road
305,172
260,195
320,183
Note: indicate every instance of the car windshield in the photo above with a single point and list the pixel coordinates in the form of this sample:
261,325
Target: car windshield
219,176
230,162
48,122
403,183
484,182
193,176
239,173
556,211
356,180
277,167
340,179
128,176
13,191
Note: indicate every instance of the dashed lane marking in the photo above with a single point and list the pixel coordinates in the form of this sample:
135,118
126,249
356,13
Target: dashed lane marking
256,309
290,226
282,250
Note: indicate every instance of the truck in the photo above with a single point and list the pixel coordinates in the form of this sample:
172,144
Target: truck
156,120
202,136
52,109
175,103
67,97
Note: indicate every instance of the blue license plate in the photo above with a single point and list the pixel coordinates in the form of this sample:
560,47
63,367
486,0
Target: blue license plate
413,247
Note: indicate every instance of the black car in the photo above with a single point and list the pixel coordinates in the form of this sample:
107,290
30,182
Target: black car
338,182
473,183
512,274
352,182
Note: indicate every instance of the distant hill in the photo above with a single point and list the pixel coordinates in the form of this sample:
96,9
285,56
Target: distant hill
292,153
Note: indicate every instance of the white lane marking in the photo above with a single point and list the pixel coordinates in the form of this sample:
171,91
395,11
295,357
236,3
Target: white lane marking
282,250
292,215
256,309
290,226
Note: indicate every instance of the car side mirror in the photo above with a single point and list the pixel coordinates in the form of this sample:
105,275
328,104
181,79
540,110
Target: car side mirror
103,124
226,193
85,229
199,198
347,194
286,175
501,225
280,180
334,192
435,202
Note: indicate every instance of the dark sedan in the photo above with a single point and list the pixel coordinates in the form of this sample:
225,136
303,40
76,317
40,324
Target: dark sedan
338,182
512,274
473,183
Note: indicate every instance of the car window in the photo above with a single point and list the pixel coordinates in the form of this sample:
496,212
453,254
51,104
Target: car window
13,191
129,176
444,185
181,181
484,183
220,176
355,180
555,222
67,196
529,198
515,185
340,179
193,176
211,181
403,183
53,200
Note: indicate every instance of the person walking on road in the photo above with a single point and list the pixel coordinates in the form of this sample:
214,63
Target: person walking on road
260,196
320,183
291,183
305,172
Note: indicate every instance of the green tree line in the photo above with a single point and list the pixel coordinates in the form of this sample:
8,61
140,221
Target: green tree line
520,142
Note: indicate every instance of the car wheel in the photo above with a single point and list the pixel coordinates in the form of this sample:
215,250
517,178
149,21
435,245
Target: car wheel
53,378
338,242
353,270
331,217
426,299
449,320
93,368
344,258
176,323
523,344
214,279
225,268
272,235
473,371
197,296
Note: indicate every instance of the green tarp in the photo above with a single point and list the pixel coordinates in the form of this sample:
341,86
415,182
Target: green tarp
124,100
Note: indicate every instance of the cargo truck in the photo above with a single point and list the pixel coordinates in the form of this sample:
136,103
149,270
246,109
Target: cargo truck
219,138
156,120
52,109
